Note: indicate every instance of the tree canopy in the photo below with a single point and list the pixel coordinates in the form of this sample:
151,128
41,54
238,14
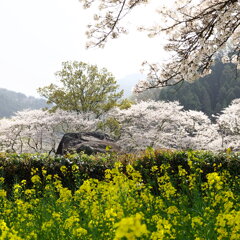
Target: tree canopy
84,88
197,30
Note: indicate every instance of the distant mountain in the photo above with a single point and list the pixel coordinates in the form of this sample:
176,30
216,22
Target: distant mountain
11,102
128,83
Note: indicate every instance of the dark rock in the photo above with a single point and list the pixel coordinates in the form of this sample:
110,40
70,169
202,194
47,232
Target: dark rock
89,142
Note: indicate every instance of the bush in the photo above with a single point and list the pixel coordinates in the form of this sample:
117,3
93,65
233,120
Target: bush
18,167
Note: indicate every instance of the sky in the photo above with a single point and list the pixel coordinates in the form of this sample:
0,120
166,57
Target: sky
36,36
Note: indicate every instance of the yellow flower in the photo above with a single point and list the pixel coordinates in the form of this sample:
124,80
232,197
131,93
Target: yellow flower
29,192
63,169
3,193
131,228
3,226
154,168
164,229
75,168
79,232
172,210
23,182
228,206
65,195
190,163
7,233
109,213
213,177
49,177
70,222
7,211
196,221
17,188
44,171
166,187
34,171
181,171
35,179
47,225
32,235
56,216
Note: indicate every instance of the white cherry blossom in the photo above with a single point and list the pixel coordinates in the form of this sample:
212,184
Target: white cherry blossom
196,30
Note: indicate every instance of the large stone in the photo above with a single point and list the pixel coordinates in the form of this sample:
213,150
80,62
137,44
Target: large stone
89,142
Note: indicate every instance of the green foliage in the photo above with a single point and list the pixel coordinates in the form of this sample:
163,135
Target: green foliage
84,88
110,125
125,104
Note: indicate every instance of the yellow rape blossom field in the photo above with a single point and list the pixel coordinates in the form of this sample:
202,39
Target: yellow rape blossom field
122,205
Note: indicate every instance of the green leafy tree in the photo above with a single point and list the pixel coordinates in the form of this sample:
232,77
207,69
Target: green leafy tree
84,88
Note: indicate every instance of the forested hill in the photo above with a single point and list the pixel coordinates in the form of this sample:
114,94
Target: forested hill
11,102
209,94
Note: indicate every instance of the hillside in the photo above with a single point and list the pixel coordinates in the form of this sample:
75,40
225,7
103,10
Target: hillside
209,94
11,102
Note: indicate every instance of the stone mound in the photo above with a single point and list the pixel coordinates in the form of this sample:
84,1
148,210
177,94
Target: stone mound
89,142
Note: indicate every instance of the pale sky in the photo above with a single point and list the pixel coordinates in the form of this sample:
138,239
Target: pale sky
38,35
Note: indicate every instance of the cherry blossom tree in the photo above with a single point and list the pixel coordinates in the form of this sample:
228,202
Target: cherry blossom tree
229,125
196,30
156,124
41,131
160,125
201,132
107,21
10,139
